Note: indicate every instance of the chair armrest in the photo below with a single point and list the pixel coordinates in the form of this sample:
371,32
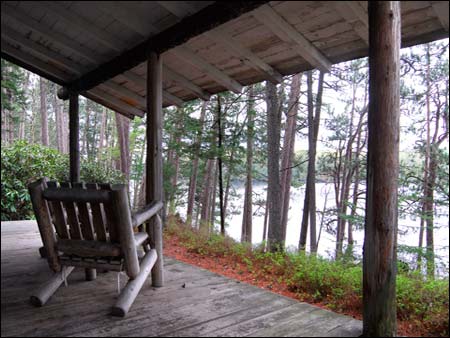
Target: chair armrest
143,215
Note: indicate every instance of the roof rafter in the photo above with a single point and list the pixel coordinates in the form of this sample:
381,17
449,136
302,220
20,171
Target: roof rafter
279,26
216,74
248,57
120,105
181,81
140,81
198,23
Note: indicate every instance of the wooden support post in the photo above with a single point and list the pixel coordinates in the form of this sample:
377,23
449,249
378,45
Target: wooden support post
74,138
131,290
154,172
49,288
380,241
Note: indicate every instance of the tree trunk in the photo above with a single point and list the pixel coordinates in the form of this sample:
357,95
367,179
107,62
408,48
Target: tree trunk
275,233
102,134
220,150
123,132
247,215
288,149
380,239
206,197
194,173
43,109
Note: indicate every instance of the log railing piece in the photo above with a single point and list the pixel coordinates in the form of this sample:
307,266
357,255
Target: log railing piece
146,213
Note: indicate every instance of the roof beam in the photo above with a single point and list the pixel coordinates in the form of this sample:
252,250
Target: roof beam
22,18
198,23
74,20
441,10
181,81
140,81
246,55
216,74
280,27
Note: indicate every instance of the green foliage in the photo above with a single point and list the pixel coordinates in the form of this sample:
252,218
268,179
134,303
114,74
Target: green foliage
23,163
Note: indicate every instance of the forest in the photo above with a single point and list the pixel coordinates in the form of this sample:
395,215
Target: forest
272,178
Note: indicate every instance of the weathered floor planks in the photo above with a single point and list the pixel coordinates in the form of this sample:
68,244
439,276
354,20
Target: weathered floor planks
207,305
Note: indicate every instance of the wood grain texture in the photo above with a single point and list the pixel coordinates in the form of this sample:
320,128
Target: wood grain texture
208,305
380,231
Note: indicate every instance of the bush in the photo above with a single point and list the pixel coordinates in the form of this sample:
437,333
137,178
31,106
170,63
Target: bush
23,163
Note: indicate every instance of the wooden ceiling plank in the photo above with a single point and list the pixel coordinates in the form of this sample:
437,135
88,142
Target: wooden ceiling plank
268,17
124,15
441,10
23,19
217,75
183,82
177,8
35,62
74,20
348,14
15,37
246,54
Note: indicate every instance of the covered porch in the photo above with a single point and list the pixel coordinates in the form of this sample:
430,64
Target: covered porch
136,66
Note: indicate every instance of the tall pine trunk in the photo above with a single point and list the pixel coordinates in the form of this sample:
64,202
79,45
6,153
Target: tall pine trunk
194,173
288,149
43,110
275,233
246,233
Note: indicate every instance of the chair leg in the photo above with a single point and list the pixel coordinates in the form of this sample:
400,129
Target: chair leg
131,290
91,274
158,269
46,290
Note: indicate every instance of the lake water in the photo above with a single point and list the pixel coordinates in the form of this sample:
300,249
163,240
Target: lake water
408,227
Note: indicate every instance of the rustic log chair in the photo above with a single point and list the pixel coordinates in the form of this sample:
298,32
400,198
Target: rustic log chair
95,230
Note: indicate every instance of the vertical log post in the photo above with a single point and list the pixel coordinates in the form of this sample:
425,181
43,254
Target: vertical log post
154,172
74,138
380,241
74,154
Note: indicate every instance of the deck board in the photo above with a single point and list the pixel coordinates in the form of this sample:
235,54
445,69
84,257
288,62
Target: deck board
207,305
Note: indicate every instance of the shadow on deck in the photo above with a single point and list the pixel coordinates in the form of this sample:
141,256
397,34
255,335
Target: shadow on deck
207,305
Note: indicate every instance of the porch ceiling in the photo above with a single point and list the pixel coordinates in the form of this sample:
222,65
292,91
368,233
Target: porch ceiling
99,48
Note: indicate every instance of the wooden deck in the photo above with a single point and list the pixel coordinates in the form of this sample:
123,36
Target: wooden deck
194,302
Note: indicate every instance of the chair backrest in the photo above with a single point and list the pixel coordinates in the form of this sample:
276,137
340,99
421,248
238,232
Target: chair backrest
91,222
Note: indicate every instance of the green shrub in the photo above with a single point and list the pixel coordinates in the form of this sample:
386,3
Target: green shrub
23,163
